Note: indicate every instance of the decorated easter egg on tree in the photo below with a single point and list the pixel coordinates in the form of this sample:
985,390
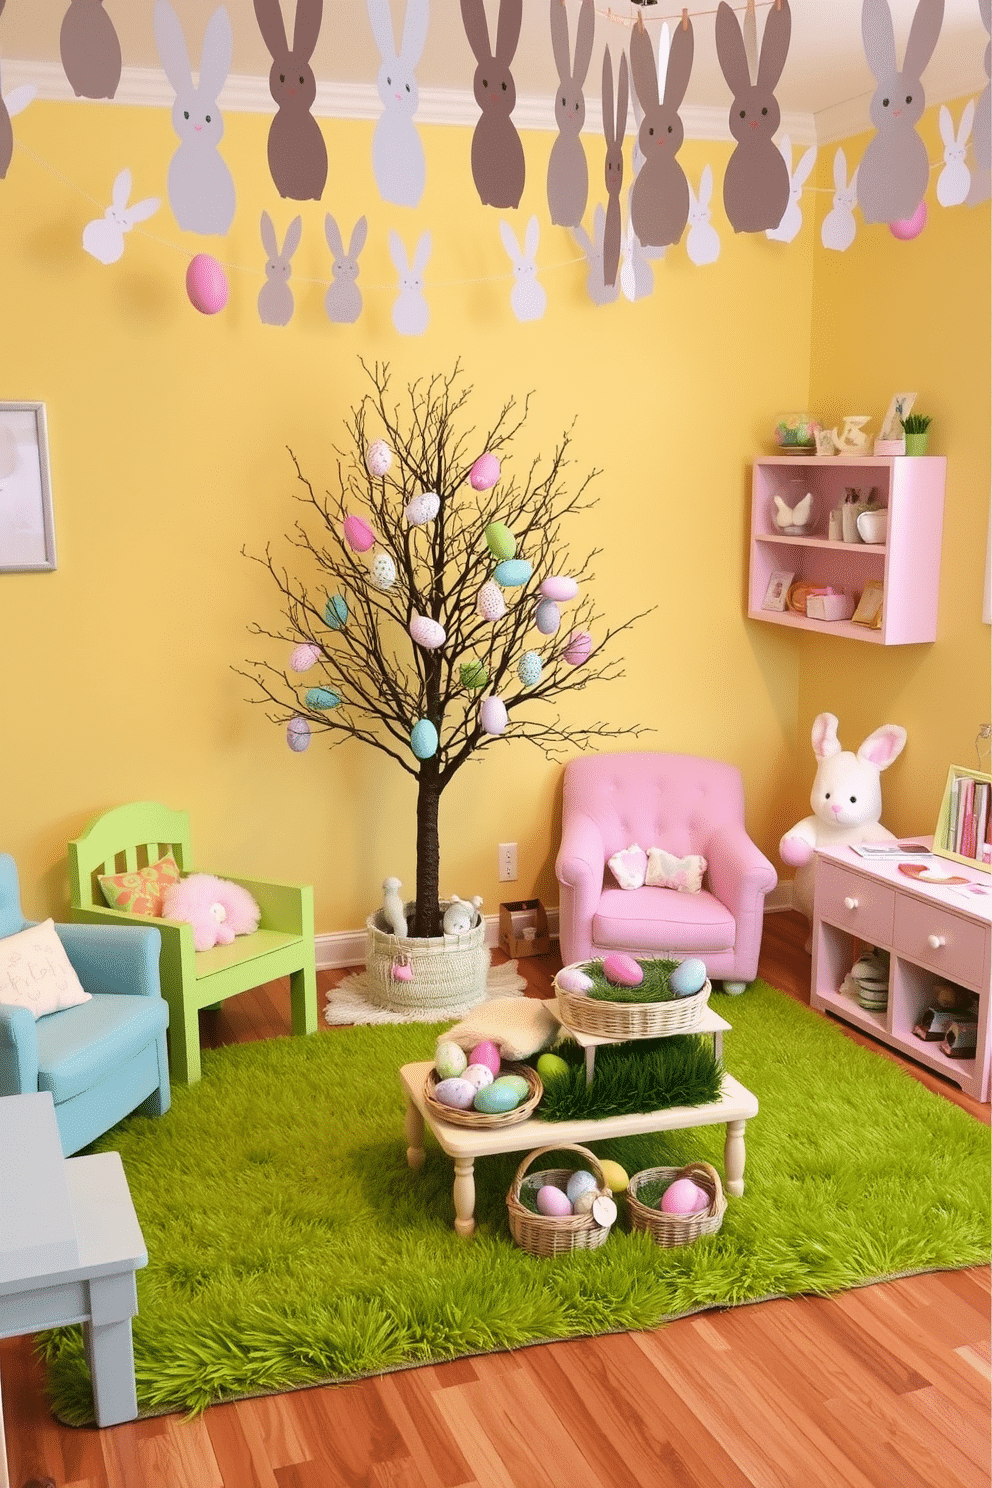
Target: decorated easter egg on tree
323,699
298,735
450,1059
336,613
579,648
547,617
491,604
512,572
529,668
552,1201
501,541
473,675
427,632
382,570
684,1197
581,1181
559,588
378,457
423,508
493,715
304,657
688,977
484,473
206,284
358,534
423,739
622,969
486,1053
455,1092
571,979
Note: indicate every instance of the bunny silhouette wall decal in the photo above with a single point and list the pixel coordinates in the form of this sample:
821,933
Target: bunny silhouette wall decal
756,181
201,188
659,202
104,238
397,154
498,167
297,153
895,168
90,50
568,173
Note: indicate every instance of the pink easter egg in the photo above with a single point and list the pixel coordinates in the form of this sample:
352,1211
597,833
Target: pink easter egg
570,979
427,632
907,228
206,284
304,657
559,587
358,534
623,969
579,648
493,715
486,1053
684,1197
484,473
552,1201
491,604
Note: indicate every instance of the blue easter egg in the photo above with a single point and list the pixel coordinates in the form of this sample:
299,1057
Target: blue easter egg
547,617
496,1097
298,735
423,739
336,613
529,668
512,572
688,977
321,698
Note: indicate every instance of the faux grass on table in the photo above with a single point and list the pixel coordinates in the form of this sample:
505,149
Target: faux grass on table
289,1243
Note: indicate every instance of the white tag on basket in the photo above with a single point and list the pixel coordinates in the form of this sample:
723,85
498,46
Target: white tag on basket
604,1211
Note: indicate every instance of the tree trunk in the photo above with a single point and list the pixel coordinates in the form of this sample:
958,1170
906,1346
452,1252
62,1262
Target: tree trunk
427,917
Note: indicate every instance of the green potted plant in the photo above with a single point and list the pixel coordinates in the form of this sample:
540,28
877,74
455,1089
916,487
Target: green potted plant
915,426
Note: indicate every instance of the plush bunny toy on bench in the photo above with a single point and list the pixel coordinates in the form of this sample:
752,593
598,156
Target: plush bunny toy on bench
846,799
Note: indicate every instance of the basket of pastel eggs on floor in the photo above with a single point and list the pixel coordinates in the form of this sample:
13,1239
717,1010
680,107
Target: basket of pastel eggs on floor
479,1088
676,1206
555,1210
624,998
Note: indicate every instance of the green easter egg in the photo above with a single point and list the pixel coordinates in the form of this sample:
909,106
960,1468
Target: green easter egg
502,543
473,675
551,1067
514,1082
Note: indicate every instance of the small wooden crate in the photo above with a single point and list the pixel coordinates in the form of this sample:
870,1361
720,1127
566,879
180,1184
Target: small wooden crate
551,1235
513,917
677,1229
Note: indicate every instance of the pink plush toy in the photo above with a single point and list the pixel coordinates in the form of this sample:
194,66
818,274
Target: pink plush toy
217,909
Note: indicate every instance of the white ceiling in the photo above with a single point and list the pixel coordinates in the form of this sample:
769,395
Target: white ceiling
826,76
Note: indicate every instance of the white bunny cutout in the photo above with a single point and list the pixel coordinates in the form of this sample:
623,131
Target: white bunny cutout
636,274
598,290
792,217
103,239
954,181
201,188
839,227
703,241
397,153
275,298
410,310
528,299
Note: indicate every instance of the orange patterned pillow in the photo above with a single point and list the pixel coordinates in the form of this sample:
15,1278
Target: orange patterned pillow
141,892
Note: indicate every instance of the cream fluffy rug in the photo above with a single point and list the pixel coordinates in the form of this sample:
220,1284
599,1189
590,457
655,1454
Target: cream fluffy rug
348,1002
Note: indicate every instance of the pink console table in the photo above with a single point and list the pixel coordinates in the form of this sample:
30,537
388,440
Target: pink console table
932,932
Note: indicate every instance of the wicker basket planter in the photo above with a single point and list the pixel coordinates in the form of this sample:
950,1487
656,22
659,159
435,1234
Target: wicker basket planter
630,1020
551,1235
677,1229
448,972
483,1119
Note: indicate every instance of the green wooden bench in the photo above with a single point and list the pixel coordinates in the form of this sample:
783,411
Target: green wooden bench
131,837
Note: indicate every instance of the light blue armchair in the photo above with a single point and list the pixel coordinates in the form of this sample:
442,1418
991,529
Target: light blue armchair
105,1058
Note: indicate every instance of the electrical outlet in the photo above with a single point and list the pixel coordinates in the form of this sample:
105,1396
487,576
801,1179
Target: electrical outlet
507,859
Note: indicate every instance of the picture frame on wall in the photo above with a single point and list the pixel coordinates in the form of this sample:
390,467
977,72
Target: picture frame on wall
27,526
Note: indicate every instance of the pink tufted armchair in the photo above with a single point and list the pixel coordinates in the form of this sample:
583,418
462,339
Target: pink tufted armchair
686,805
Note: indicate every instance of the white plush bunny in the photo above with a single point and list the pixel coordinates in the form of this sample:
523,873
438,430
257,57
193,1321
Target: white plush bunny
104,238
846,799
343,300
703,242
397,154
201,188
954,181
275,298
461,915
792,217
410,310
598,290
528,299
839,227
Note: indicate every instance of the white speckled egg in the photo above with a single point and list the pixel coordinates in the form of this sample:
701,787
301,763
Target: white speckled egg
491,604
427,632
479,1075
552,1201
583,1204
455,1092
529,668
688,977
382,570
559,587
450,1060
493,715
547,617
304,657
378,457
423,508
570,979
581,1181
579,648
298,735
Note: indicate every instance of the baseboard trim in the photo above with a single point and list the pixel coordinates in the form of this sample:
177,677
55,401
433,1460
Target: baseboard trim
347,947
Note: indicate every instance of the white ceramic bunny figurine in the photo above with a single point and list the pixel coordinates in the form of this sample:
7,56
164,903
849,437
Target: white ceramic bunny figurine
392,906
846,799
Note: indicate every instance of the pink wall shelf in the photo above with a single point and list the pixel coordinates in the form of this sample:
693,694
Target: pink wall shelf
907,563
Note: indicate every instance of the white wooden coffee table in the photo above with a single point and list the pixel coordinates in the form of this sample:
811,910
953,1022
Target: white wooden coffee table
464,1144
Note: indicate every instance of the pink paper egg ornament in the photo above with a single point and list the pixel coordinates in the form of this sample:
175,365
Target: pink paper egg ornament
358,534
907,228
206,284
304,657
484,473
559,587
298,734
579,648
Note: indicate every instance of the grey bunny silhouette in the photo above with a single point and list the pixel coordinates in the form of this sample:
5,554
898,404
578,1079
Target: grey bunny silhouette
895,168
343,300
568,173
614,130
756,182
981,179
659,201
201,188
90,50
597,289
498,167
275,298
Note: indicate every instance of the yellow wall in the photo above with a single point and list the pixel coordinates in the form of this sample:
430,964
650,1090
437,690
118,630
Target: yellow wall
168,435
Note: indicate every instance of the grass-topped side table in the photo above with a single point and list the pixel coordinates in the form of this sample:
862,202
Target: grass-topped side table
464,1144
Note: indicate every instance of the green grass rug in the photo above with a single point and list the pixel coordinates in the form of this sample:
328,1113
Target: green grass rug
289,1244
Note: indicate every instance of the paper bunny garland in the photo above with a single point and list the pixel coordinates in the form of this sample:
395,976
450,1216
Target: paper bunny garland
954,181
614,131
90,50
528,299
756,182
201,188
343,300
104,238
659,202
410,309
11,104
397,154
297,153
981,180
895,168
792,217
497,155
568,173
839,227
275,298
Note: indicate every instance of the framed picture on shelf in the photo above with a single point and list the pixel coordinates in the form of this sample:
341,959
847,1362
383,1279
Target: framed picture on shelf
869,610
27,529
894,415
777,593
964,826
825,442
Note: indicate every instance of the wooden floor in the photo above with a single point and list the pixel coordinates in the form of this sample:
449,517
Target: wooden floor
884,1387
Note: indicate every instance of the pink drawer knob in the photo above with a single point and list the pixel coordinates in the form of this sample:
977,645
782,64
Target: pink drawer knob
850,903
936,941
